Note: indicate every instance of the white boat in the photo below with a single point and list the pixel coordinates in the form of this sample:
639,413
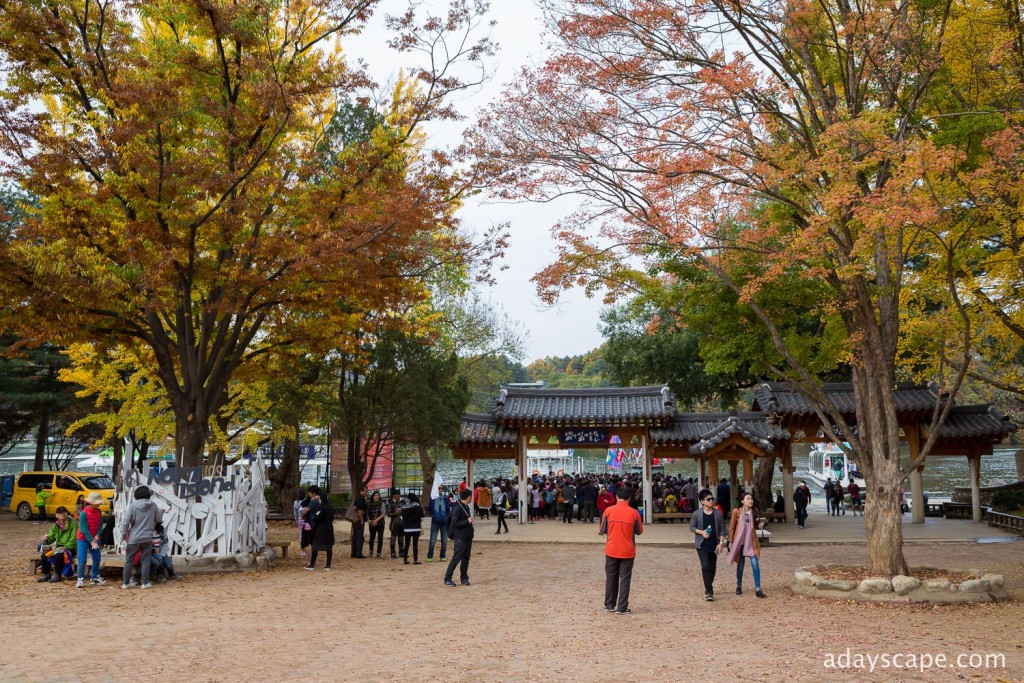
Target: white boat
827,460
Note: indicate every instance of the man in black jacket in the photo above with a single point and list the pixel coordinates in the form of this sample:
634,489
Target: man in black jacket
462,533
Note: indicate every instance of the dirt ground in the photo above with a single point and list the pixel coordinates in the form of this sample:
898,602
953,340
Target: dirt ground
533,613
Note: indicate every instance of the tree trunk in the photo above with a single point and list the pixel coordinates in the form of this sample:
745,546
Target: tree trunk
117,443
285,480
878,433
356,464
42,435
189,441
763,474
428,466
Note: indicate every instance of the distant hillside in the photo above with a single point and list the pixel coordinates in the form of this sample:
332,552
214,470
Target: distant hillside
571,372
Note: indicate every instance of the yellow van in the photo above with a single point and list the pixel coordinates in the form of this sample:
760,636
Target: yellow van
66,487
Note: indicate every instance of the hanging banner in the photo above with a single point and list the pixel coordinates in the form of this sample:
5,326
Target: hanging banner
383,466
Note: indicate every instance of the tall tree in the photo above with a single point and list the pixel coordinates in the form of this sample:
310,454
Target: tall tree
808,125
176,151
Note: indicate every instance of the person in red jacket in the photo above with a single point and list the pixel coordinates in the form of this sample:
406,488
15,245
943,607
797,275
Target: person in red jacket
605,500
621,524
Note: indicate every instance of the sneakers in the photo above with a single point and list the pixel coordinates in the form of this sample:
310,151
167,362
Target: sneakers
57,578
80,583
308,568
739,590
625,611
609,609
132,583
430,559
442,559
466,583
449,582
45,578
760,593
124,586
327,569
146,585
709,597
98,581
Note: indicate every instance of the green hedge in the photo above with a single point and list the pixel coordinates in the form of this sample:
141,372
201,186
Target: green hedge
1008,501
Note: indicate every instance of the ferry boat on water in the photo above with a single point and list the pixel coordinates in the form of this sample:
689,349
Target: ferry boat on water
827,460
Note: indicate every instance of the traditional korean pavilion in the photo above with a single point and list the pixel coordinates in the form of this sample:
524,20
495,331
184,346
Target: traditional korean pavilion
646,418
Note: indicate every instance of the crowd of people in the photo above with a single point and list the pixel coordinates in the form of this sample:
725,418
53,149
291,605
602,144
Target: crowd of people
613,500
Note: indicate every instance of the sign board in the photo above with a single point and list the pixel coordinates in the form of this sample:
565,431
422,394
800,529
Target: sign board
583,436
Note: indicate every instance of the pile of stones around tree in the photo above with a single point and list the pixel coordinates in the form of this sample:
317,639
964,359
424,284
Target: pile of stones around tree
265,558
902,589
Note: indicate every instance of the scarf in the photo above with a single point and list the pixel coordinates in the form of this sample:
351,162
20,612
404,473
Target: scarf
744,541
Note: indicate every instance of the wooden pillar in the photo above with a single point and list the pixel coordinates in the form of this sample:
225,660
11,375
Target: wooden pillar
733,478
469,476
787,483
648,488
748,469
974,461
713,474
916,480
522,499
700,473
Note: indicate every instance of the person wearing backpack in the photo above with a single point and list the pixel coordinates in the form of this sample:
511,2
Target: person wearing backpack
462,533
440,509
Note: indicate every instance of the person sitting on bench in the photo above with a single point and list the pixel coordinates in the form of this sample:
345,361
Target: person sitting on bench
58,548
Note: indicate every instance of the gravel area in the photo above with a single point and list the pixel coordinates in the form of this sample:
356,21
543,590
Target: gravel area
533,613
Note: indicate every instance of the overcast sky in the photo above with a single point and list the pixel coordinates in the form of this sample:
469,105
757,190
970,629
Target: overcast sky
570,327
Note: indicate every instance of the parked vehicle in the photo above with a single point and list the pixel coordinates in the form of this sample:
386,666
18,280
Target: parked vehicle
66,487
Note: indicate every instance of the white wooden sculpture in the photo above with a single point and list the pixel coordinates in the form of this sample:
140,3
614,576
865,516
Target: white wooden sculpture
213,515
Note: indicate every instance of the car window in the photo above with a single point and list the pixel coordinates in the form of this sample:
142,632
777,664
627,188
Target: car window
30,481
67,483
98,482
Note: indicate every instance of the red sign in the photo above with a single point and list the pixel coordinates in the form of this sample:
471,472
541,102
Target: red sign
384,467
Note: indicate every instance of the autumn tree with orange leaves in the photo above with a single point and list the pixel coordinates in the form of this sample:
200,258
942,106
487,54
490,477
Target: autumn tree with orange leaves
803,138
189,197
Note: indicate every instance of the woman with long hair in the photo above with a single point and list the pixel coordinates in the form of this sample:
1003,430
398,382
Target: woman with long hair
745,543
376,513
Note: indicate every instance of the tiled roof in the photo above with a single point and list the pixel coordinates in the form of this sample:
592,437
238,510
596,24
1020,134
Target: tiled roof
601,406
780,397
976,422
484,429
703,431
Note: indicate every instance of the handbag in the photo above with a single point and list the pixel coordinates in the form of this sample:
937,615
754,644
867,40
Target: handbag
351,514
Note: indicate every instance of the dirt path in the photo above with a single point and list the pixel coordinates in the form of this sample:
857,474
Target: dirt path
533,613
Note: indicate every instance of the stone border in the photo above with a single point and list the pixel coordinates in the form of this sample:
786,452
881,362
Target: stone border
901,589
265,558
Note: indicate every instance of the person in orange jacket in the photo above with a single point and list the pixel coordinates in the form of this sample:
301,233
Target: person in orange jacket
621,524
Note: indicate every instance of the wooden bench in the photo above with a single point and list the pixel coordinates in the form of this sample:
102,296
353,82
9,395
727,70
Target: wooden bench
775,517
764,536
283,545
673,516
957,511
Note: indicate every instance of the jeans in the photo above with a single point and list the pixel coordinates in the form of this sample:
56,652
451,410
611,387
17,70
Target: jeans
708,565
435,529
754,566
801,515
463,549
618,574
145,549
501,520
377,534
84,552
